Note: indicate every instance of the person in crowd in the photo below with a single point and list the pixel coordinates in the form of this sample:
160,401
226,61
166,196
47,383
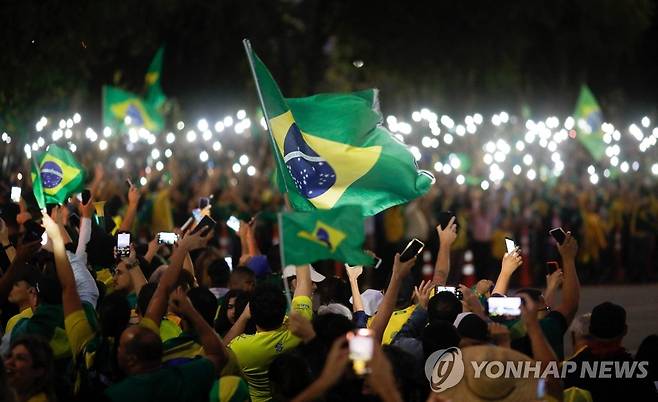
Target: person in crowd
219,274
232,306
29,368
242,278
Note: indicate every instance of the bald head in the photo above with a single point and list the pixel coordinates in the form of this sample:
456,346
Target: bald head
140,350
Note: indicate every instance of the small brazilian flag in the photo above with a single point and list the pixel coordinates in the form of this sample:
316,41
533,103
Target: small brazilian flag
588,118
55,176
122,109
332,150
154,95
335,234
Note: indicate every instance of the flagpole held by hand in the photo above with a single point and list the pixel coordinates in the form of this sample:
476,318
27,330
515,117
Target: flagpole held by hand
283,260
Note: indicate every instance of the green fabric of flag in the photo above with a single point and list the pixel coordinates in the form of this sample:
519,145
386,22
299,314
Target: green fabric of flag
154,95
335,234
56,175
124,109
332,150
588,118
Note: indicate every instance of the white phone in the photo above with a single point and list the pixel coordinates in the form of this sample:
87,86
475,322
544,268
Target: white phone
123,244
361,345
167,238
233,223
504,306
510,245
229,262
16,194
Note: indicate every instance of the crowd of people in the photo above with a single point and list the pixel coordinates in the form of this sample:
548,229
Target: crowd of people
207,318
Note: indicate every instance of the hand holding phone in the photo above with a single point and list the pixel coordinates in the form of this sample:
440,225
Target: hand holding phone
559,235
233,223
551,266
510,245
123,244
85,196
206,222
362,346
414,248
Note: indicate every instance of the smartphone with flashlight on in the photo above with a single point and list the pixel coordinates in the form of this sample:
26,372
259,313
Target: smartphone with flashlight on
233,223
414,248
450,289
123,244
510,245
361,346
167,238
508,307
15,194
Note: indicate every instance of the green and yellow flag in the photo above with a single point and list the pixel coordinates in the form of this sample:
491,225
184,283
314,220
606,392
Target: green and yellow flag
332,150
123,109
335,234
588,118
55,176
154,95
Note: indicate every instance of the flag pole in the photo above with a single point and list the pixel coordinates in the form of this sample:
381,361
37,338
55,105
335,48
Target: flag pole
283,260
248,51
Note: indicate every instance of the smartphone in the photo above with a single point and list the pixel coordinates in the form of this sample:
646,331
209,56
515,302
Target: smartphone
33,231
361,346
510,245
204,202
85,196
129,183
167,238
16,194
558,234
504,306
444,218
378,262
229,262
123,244
233,223
207,221
414,248
450,289
552,266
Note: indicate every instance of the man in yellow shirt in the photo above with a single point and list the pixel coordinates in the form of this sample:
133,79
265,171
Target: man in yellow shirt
267,309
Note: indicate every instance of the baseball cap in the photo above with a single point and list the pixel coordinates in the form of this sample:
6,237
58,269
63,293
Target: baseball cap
289,271
608,321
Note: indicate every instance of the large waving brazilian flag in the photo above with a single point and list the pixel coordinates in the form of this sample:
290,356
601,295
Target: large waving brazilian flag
55,176
123,109
331,149
588,118
335,234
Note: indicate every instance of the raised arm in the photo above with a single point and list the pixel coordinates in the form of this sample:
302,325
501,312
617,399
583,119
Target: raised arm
447,236
385,310
4,241
553,283
213,348
304,284
131,212
511,261
571,285
70,298
158,305
353,274
541,349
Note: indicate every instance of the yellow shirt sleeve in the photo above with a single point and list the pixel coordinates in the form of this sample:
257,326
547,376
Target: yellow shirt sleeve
303,305
78,330
150,324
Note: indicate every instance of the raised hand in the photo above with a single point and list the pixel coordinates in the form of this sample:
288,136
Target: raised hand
193,241
422,293
511,261
448,235
402,269
554,280
353,272
569,248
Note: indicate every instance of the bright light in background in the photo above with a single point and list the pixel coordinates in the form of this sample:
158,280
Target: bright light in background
244,159
41,141
170,138
569,123
484,185
119,163
438,167
241,114
219,126
68,133
447,169
236,168
495,120
477,118
155,153
102,145
591,169
207,135
191,136
216,146
251,171
455,162
415,116
203,156
520,146
527,159
202,125
490,147
159,166
404,128
168,153
635,166
228,121
532,175
594,178
646,122
555,157
77,118
415,152
624,166
654,169
447,138
107,132
263,123
488,159
73,147
239,129
504,117
516,169
447,121
460,179
614,161
460,130
62,124
69,123
142,181
180,125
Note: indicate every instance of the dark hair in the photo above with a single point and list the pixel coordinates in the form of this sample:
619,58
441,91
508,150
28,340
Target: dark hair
222,324
185,280
409,379
329,327
533,293
114,314
144,297
145,345
219,273
444,306
289,375
334,290
50,291
268,306
242,270
42,357
439,335
648,351
205,302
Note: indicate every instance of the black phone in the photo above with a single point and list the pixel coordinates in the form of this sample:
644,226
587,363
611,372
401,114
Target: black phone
206,222
203,202
123,244
414,248
86,196
552,266
444,218
558,234
33,231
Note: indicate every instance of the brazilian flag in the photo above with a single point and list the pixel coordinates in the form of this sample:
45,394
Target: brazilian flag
332,150
55,176
588,118
335,234
154,95
123,109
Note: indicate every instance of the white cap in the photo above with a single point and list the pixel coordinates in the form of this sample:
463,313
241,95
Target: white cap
371,298
290,271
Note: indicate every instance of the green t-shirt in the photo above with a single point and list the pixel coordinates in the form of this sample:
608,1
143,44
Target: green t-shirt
188,382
